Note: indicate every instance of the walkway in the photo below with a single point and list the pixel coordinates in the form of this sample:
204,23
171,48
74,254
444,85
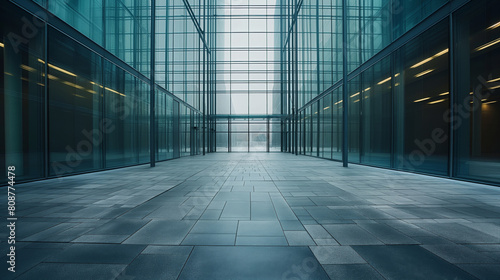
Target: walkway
255,216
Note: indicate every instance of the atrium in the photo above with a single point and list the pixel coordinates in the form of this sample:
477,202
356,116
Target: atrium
250,139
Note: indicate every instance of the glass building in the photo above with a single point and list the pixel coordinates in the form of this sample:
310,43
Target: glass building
95,85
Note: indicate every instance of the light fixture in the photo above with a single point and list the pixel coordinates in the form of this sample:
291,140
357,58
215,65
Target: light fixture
444,93
356,101
430,58
494,101
94,83
326,108
27,68
356,94
496,25
384,81
1,45
72,85
437,101
114,91
52,77
495,87
367,89
494,80
487,45
61,70
423,99
41,61
423,73
339,102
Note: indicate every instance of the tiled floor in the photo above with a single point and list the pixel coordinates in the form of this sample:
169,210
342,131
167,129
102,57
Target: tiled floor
255,216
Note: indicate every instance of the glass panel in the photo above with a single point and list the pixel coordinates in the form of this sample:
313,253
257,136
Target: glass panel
376,107
75,89
421,87
477,119
22,86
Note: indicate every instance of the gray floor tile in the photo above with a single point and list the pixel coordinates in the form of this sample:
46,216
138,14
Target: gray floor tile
241,262
351,235
336,255
409,262
352,271
98,253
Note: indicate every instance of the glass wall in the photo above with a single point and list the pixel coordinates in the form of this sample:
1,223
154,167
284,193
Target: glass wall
421,96
477,103
22,86
75,94
69,108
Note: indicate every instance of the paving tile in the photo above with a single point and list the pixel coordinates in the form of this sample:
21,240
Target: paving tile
387,234
351,235
74,271
352,271
336,255
241,262
157,266
299,238
458,254
209,239
409,262
161,232
97,253
482,271
261,240
259,228
215,227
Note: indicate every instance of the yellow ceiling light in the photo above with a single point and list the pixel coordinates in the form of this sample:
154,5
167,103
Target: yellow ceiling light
356,94
437,101
495,87
423,99
27,68
397,75
114,91
1,45
444,93
356,100
94,83
424,73
367,89
52,77
494,80
496,25
384,81
487,45
430,58
397,84
72,85
61,70
339,102
326,108
491,102
41,61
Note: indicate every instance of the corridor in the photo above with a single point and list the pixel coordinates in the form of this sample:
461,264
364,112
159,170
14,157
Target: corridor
255,216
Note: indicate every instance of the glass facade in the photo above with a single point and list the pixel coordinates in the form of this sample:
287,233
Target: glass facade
406,85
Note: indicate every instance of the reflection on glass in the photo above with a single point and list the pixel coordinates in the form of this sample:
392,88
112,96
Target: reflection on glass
478,83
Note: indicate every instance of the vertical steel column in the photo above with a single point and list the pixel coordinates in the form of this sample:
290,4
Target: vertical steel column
204,80
318,76
452,97
46,103
152,119
345,107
